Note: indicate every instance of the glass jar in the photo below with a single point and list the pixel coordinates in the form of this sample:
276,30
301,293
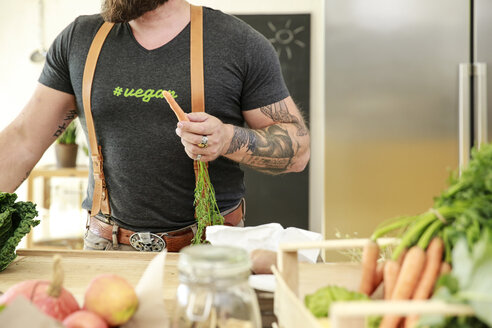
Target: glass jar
213,289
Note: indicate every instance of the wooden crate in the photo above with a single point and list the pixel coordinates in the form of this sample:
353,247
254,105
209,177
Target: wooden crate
295,280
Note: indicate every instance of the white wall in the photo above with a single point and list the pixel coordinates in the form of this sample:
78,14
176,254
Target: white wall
19,37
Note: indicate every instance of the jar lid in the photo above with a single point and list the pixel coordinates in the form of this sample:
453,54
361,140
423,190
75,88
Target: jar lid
208,261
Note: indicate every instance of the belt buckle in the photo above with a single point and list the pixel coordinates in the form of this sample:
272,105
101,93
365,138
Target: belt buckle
147,242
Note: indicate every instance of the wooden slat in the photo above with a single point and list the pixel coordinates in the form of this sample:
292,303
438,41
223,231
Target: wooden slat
92,254
334,244
341,312
287,263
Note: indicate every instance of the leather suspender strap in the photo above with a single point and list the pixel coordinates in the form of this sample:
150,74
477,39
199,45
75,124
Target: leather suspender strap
196,60
196,65
100,196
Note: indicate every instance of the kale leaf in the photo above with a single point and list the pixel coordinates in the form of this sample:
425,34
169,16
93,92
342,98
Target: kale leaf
16,220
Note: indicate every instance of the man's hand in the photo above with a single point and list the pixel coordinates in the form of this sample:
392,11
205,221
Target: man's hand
218,136
277,140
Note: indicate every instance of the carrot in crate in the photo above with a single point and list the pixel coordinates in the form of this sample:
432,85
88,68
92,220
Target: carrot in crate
370,255
431,270
445,268
413,264
378,276
407,281
429,276
390,276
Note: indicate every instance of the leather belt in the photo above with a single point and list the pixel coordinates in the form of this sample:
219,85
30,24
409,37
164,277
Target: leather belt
174,240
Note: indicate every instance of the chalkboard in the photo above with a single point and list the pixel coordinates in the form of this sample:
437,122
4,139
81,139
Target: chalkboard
283,198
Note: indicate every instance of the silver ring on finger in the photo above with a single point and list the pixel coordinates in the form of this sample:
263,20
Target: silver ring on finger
198,157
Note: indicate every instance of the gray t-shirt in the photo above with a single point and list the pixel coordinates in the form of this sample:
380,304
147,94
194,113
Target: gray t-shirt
150,178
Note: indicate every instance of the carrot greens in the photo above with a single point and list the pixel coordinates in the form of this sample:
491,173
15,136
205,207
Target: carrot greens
206,209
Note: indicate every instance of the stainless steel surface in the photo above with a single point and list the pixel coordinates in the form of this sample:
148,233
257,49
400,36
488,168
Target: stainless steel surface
464,115
480,72
483,10
391,107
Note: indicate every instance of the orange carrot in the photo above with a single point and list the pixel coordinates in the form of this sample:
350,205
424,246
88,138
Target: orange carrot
429,276
390,274
410,272
431,269
370,255
391,271
180,114
378,277
402,257
445,268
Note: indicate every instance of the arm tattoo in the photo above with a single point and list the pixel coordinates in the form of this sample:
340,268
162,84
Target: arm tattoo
271,149
242,137
279,113
69,117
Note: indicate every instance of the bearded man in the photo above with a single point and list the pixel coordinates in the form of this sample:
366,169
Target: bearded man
144,189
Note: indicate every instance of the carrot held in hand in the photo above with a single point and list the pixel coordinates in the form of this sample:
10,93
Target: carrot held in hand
180,114
370,255
206,208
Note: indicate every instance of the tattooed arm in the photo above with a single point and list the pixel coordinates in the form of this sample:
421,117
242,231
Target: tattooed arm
277,140
23,142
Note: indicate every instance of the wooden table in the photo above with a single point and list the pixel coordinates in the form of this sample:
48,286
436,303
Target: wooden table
81,266
46,172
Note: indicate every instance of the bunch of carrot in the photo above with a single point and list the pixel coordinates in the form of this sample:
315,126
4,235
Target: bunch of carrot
206,208
411,275
427,240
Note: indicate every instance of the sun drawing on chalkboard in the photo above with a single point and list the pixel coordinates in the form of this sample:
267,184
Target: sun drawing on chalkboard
284,38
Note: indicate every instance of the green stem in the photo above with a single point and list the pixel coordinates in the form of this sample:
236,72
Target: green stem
447,246
413,233
393,226
429,233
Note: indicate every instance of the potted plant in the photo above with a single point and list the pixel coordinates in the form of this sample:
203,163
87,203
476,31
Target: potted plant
66,147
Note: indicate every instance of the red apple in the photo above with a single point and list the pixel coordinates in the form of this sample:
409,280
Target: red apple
84,319
112,298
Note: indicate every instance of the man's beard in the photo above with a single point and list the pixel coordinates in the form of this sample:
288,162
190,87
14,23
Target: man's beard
121,11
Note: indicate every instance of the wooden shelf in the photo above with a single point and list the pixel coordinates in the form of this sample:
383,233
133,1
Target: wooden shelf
46,173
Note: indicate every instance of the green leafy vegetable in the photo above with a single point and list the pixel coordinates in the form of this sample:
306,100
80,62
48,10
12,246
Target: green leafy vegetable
319,302
16,220
206,209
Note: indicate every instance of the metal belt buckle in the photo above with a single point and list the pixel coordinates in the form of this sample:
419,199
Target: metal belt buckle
147,242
